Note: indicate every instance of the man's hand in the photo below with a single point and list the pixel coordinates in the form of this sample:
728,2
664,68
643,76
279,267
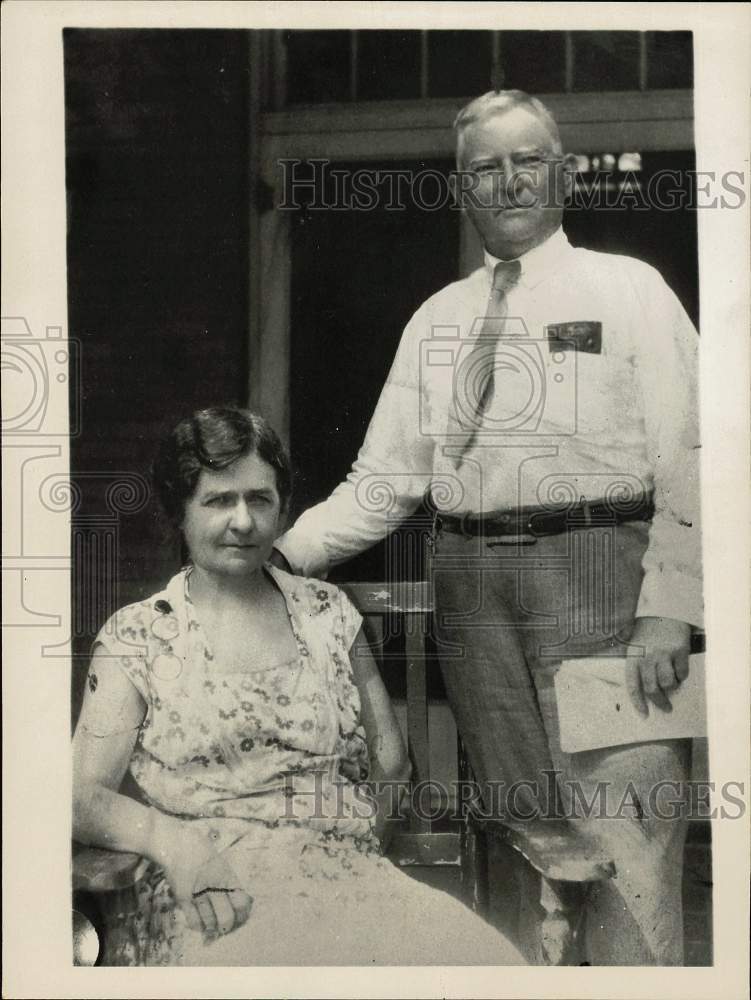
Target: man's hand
663,665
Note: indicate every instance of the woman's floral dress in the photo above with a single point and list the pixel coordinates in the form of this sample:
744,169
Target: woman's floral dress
265,762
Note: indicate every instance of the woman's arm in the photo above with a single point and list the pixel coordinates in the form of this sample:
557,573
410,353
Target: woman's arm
107,729
389,764
106,733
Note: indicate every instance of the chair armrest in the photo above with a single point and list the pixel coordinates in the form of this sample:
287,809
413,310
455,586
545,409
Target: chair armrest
555,848
99,870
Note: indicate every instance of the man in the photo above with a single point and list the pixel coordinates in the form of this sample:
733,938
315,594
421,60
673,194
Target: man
548,401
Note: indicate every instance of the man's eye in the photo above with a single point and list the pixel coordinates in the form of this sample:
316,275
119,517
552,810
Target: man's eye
487,168
219,501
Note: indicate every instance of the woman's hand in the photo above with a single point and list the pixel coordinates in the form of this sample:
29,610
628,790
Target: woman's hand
204,884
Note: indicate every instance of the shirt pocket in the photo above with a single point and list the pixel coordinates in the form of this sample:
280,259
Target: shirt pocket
605,392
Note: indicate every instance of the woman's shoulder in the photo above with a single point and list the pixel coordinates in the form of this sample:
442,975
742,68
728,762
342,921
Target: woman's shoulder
322,601
320,595
135,622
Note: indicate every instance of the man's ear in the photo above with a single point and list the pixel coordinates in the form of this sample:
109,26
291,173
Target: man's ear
570,167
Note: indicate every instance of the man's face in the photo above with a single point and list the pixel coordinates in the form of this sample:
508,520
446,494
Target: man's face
517,181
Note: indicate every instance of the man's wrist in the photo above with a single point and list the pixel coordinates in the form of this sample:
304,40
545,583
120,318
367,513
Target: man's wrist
658,632
674,624
279,560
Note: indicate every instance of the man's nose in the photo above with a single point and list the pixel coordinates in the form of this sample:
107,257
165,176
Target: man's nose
242,518
519,175
512,178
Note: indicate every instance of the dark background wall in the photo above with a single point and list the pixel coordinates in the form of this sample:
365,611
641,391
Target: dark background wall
157,179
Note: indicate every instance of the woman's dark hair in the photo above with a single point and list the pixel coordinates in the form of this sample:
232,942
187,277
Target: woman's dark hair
214,439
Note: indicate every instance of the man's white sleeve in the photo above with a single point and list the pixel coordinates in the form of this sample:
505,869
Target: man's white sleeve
386,482
668,373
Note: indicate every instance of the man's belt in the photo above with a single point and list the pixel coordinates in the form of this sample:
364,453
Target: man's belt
540,521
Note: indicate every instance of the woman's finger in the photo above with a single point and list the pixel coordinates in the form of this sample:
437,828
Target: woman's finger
206,912
192,916
223,911
241,904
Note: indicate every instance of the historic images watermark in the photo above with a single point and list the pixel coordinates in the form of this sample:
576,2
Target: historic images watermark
520,801
318,185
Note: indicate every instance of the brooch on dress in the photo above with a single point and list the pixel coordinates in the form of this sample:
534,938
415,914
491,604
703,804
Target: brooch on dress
166,665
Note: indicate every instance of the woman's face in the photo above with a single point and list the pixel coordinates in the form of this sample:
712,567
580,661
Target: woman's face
233,518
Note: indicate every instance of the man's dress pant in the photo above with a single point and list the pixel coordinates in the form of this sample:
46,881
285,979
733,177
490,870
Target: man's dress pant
506,615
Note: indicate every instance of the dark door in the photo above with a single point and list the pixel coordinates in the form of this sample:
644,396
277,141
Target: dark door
357,277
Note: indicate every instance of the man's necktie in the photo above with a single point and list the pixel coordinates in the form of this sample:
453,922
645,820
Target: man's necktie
474,375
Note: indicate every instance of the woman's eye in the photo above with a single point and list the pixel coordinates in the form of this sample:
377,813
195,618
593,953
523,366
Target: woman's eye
258,501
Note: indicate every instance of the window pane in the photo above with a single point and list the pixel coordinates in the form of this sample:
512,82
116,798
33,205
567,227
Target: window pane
533,60
389,65
459,63
670,59
317,66
606,60
665,239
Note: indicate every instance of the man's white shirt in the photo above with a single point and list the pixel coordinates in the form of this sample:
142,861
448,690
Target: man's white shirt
618,416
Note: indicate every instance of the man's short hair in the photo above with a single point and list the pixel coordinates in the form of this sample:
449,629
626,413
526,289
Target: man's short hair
498,102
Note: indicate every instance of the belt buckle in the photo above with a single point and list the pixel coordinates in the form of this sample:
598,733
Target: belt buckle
526,537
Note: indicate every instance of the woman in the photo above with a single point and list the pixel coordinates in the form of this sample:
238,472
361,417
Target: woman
236,700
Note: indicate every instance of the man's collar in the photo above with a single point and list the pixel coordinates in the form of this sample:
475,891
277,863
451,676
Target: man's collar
537,262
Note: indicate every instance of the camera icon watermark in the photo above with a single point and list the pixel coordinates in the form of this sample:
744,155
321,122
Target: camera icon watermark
500,384
41,381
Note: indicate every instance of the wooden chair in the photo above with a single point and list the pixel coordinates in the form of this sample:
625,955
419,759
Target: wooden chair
403,612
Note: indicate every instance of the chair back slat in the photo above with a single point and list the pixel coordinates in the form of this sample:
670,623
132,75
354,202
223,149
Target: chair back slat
418,734
404,609
404,598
